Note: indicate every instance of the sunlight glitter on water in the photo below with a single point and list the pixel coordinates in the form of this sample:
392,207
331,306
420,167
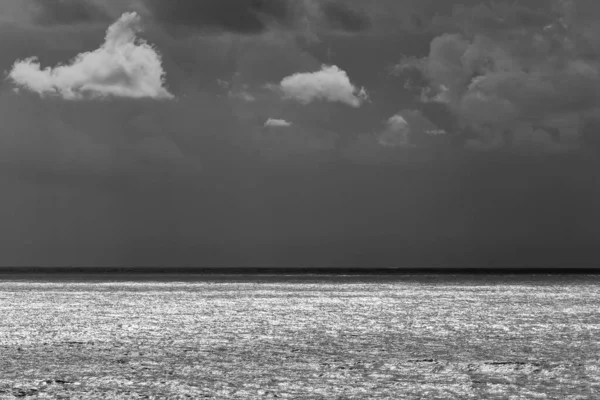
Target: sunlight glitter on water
392,339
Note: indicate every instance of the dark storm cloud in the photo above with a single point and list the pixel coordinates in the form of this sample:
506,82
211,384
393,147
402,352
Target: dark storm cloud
66,12
340,15
516,73
243,16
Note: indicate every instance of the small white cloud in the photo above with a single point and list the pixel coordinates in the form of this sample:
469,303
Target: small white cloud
396,133
124,66
277,122
397,121
408,125
329,84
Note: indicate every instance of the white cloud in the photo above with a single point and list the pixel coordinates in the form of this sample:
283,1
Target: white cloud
397,122
406,125
329,84
397,132
124,66
277,122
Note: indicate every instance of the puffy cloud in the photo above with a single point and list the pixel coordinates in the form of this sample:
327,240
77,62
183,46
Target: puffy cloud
397,132
330,84
405,130
124,66
409,128
516,69
277,122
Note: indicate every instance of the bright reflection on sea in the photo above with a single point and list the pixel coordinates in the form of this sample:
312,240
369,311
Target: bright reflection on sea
240,337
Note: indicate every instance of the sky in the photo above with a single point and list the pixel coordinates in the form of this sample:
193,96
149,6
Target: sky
299,133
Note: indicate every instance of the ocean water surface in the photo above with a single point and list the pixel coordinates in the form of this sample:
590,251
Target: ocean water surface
300,337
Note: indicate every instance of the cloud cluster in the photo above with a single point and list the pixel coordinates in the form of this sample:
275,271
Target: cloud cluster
516,69
273,122
408,128
123,66
328,84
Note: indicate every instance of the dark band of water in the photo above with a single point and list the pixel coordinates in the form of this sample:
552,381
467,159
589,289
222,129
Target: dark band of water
345,275
295,271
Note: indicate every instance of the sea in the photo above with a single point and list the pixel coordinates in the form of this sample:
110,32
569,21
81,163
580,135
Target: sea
236,336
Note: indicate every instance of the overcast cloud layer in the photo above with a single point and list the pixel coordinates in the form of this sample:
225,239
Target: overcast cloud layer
308,132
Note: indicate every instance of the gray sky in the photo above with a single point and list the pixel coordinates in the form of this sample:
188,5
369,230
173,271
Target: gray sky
299,132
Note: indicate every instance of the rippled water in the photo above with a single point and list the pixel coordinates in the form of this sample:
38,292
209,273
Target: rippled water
412,337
